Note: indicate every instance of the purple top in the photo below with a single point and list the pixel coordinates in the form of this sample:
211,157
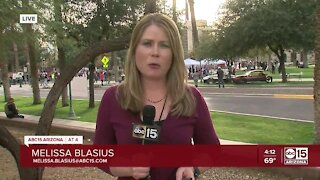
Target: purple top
114,126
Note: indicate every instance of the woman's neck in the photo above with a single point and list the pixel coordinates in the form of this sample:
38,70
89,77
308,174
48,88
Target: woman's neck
154,88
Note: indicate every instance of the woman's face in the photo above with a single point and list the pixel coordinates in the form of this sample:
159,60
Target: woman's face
153,54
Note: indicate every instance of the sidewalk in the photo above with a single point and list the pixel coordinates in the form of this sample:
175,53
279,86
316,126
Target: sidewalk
86,129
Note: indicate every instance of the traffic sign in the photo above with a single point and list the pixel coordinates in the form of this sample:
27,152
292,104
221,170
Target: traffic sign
105,60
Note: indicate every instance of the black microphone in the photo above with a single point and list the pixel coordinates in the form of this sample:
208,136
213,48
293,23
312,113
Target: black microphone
147,130
149,112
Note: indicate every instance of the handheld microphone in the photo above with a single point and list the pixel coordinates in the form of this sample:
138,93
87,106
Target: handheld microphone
147,131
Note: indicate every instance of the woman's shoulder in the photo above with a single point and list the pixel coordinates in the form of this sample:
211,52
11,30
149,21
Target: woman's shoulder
110,93
195,91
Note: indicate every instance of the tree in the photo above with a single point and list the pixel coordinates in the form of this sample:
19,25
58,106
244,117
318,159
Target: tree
195,36
16,59
59,32
174,10
278,25
91,84
5,79
10,10
316,88
31,55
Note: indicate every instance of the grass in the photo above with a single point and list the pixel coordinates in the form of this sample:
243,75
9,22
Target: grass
262,130
228,126
307,72
263,84
80,107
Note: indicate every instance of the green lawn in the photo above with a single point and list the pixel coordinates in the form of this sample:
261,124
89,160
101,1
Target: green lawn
228,126
307,72
80,107
262,130
264,84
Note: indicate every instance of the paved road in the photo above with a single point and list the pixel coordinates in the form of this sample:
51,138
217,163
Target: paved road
243,99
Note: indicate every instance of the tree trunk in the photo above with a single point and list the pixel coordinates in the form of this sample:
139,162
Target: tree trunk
115,67
293,57
91,84
5,79
282,67
30,55
8,141
269,62
61,52
279,52
16,57
194,25
174,10
316,88
304,58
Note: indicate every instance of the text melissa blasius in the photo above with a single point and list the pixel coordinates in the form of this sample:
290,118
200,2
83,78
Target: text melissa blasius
72,153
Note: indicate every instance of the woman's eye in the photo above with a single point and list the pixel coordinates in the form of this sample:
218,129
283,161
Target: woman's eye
164,46
146,43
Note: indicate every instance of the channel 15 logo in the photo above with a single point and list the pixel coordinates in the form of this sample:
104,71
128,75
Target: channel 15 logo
148,132
296,156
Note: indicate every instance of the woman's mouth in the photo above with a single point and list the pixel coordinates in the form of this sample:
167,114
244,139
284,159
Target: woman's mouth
154,66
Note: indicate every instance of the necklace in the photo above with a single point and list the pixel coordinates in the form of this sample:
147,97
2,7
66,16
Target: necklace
155,102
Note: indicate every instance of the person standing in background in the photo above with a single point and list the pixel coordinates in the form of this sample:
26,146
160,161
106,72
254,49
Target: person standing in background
196,76
220,77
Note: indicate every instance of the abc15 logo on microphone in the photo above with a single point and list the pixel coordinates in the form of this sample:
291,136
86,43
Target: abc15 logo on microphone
146,132
295,156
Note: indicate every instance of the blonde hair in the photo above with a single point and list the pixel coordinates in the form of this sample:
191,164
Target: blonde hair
130,92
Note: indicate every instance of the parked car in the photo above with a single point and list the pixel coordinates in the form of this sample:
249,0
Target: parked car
213,78
254,75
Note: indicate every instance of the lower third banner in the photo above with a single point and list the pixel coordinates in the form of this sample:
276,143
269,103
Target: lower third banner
170,155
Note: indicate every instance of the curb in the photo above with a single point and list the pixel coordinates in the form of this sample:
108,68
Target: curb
58,128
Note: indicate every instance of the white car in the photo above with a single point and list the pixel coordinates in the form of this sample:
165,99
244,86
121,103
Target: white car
213,78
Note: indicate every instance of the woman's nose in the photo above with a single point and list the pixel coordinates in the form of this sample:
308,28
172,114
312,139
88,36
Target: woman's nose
155,50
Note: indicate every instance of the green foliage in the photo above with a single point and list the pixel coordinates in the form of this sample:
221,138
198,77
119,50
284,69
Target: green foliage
247,25
104,19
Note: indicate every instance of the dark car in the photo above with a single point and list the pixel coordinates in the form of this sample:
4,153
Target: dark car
255,75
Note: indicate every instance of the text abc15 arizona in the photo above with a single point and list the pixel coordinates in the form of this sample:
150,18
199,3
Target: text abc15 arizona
295,156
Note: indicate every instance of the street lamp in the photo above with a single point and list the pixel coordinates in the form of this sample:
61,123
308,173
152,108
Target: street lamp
72,114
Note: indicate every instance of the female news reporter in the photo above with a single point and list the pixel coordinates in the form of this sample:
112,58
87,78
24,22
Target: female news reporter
155,75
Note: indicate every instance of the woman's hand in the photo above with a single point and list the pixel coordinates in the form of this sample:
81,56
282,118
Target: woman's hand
135,172
185,173
140,172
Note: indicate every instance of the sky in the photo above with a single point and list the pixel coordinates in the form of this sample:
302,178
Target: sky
204,9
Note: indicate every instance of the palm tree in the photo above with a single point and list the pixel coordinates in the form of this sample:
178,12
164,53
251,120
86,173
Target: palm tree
194,25
174,10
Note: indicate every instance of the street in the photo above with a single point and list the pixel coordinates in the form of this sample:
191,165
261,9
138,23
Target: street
247,100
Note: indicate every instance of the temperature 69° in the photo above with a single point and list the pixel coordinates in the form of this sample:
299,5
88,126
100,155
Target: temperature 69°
269,160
